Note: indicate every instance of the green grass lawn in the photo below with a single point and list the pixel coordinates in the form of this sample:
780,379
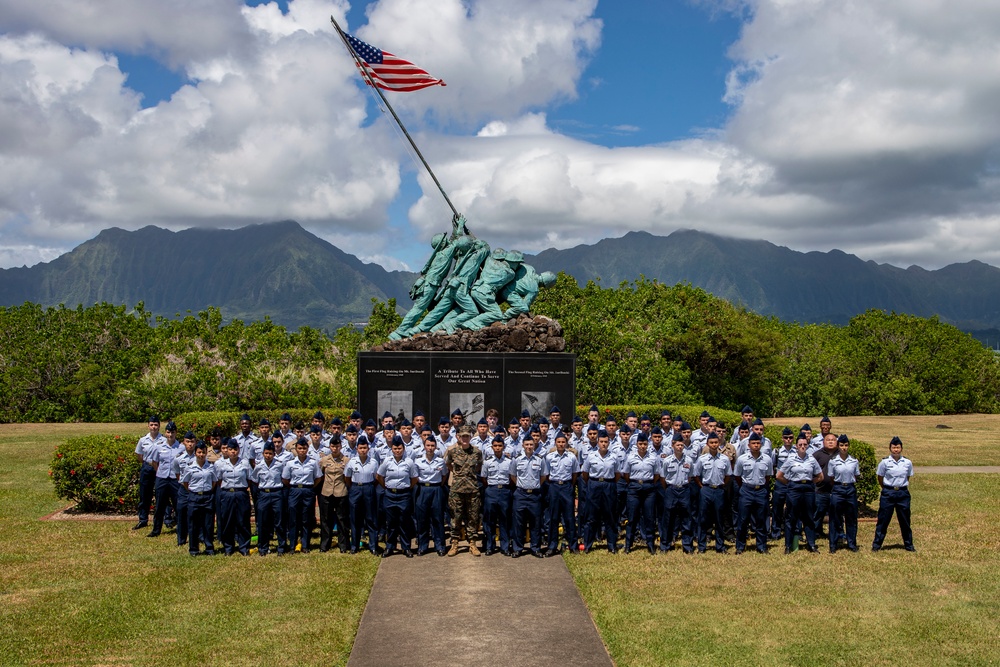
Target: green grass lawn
937,606
95,592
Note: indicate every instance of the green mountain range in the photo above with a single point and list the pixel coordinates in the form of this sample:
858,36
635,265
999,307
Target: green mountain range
281,270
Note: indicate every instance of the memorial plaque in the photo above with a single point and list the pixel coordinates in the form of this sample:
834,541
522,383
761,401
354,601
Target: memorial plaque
439,382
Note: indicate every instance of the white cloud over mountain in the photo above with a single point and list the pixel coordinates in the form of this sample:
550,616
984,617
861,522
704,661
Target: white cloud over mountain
866,126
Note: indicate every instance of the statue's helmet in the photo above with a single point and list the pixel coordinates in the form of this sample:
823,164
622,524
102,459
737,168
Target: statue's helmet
515,256
463,243
438,241
547,279
499,253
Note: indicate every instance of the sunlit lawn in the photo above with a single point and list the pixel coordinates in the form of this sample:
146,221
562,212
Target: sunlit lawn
95,592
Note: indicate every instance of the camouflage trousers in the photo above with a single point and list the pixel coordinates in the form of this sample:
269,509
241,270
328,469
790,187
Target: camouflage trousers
466,508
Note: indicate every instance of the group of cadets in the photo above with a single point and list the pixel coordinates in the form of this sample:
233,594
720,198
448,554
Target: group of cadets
533,487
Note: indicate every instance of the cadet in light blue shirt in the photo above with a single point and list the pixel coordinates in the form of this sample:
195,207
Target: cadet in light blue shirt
246,439
303,476
642,472
753,471
144,451
200,479
163,456
496,498
397,475
234,501
801,473
601,471
564,466
270,498
894,473
677,515
360,473
844,470
429,506
528,472
180,464
711,473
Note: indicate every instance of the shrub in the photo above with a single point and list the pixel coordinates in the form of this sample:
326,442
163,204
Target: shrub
98,472
229,421
729,418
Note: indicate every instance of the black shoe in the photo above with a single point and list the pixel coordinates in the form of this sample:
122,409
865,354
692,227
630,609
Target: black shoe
722,550
515,554
762,551
442,553
628,549
423,552
387,553
140,525
787,551
354,550
833,550
853,549
209,553
874,549
910,548
537,553
408,553
739,550
587,550
304,551
652,549
689,551
612,551
262,553
489,551
194,553
811,548
323,550
550,553
155,533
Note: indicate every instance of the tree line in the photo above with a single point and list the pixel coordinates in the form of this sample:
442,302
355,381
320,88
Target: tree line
639,342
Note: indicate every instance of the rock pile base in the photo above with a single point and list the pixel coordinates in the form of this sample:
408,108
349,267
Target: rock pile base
523,334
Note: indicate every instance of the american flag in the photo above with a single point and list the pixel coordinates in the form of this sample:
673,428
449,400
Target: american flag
390,72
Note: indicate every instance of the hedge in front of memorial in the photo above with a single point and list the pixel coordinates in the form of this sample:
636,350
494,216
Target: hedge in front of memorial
97,472
228,421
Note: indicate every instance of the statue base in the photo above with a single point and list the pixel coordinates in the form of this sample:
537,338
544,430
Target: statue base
523,334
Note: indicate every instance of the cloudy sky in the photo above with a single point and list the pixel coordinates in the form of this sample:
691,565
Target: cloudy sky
815,124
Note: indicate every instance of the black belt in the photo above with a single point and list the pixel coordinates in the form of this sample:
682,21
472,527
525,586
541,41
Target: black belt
362,483
528,490
802,481
301,486
641,481
235,489
200,493
680,486
430,483
499,486
397,491
568,481
895,488
603,479
752,487
843,483
715,486
269,490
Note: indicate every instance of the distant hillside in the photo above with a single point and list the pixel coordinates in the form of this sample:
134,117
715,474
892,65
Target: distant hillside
277,269
280,269
774,280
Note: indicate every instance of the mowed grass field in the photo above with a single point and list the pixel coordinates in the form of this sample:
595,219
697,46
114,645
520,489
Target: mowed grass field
95,592
970,440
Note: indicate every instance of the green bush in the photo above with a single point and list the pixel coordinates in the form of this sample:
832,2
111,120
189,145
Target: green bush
97,472
229,422
867,486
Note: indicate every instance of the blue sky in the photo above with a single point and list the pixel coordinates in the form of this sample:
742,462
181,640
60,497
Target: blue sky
818,125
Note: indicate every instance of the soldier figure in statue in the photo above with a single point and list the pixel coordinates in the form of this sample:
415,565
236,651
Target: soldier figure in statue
456,292
521,292
431,276
497,272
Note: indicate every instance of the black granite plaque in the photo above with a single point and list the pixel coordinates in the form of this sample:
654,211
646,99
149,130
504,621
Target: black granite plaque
439,382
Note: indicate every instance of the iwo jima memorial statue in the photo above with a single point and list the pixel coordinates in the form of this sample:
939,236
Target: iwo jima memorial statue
457,348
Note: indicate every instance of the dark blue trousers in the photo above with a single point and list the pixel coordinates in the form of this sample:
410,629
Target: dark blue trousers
497,516
527,516
823,501
893,501
778,499
147,484
676,517
711,508
560,508
300,506
398,518
235,512
270,520
429,514
641,504
183,526
603,498
363,503
753,505
844,508
166,494
801,507
695,492
201,511
582,507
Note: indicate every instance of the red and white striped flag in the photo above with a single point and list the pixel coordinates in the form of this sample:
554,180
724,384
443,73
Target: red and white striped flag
390,72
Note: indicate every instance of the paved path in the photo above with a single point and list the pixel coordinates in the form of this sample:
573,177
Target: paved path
455,611
953,470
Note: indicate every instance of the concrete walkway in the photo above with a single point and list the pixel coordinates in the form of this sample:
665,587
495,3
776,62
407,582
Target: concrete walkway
470,611
954,470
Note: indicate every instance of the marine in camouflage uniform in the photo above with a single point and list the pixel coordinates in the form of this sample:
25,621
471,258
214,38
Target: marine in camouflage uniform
464,465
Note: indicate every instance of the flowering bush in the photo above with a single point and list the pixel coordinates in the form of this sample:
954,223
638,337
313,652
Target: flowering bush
98,472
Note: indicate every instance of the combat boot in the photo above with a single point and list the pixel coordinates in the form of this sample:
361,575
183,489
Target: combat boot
473,549
454,549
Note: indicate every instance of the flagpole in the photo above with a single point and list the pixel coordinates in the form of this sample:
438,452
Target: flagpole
371,82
